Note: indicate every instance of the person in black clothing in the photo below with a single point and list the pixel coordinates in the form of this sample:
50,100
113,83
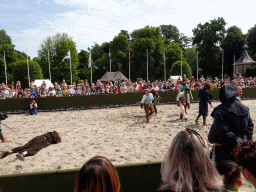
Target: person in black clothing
232,124
203,103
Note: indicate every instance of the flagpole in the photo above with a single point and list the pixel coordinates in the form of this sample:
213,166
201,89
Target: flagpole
234,66
110,59
222,61
164,67
28,69
129,65
70,68
197,65
181,62
5,70
147,65
91,66
49,67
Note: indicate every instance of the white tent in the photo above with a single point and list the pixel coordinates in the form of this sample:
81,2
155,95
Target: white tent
39,82
175,78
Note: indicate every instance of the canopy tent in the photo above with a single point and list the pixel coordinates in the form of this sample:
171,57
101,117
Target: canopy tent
112,76
175,78
39,82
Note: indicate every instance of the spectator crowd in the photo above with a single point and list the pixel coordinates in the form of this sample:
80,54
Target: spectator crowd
110,87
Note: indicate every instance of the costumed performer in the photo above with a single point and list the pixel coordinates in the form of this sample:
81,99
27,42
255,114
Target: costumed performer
34,145
184,102
147,102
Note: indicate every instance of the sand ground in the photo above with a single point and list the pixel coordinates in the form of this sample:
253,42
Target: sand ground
120,134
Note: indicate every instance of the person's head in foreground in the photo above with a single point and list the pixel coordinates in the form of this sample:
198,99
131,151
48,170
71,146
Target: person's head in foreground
245,154
98,175
187,166
232,176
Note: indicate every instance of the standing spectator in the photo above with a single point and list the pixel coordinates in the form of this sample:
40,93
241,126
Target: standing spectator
232,124
97,175
239,93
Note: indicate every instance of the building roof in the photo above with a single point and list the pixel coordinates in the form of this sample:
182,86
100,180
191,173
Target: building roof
245,58
112,76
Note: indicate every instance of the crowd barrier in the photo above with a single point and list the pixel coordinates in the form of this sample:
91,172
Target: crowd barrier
51,103
133,177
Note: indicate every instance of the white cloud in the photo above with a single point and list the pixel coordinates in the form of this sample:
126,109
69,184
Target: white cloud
99,21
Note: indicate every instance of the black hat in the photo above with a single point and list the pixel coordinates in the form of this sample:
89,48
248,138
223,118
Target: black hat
187,89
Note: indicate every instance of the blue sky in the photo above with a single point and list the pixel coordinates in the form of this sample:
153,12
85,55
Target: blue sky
88,21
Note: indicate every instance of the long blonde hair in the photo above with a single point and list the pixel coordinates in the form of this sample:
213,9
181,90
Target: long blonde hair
187,166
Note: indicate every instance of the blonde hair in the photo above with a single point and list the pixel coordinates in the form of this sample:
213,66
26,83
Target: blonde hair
187,166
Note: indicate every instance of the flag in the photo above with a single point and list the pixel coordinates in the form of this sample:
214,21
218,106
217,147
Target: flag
89,64
109,57
67,56
129,57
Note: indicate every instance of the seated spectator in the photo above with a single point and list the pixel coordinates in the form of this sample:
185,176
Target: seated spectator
2,96
232,176
93,89
245,154
58,93
97,175
155,87
116,90
6,92
78,90
187,166
63,84
71,91
43,92
18,84
84,91
166,87
106,89
32,92
88,90
111,90
26,93
37,92
51,91
123,88
33,107
65,91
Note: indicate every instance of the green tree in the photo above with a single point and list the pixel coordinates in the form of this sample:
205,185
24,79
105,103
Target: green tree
20,72
11,56
207,38
172,54
125,33
176,69
252,42
191,56
119,54
83,71
58,46
232,45
147,38
171,33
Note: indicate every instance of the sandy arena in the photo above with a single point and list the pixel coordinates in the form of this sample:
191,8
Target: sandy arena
120,134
